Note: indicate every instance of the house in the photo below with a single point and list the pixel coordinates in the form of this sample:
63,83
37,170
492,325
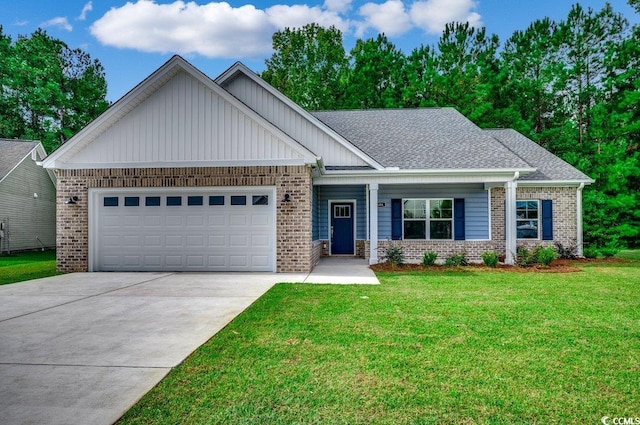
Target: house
27,198
193,174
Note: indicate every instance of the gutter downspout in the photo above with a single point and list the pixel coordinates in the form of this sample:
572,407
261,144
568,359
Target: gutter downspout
510,220
579,236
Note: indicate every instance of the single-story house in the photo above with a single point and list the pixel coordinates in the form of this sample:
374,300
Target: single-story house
27,198
193,174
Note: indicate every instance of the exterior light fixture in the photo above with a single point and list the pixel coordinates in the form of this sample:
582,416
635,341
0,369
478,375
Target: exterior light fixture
72,200
287,198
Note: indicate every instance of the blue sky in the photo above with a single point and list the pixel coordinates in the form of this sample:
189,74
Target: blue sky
133,38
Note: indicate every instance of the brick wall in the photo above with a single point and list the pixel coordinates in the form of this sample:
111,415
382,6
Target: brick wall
293,221
414,250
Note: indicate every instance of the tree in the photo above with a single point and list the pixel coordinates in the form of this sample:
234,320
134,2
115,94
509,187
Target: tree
420,74
307,65
49,91
375,75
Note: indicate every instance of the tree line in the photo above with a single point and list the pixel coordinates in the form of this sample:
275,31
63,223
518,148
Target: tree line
48,91
572,86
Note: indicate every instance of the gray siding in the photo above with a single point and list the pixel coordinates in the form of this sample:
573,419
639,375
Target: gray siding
476,205
27,217
337,193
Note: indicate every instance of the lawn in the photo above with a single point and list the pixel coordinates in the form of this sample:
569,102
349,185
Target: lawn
27,266
465,346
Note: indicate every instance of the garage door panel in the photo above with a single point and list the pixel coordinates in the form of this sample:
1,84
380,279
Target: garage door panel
158,237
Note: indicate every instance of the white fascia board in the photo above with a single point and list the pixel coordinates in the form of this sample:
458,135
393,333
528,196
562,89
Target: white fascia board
553,183
180,164
147,87
382,177
240,67
453,172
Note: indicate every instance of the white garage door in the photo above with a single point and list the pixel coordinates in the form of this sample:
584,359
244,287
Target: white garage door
201,230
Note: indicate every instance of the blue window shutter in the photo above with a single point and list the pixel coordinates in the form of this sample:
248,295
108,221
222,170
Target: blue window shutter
458,219
547,220
396,219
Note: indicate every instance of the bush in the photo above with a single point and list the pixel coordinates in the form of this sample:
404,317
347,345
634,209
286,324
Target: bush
395,255
459,259
525,257
490,258
429,258
590,252
608,251
544,256
569,252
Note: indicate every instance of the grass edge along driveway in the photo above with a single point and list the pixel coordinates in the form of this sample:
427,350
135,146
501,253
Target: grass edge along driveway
470,346
27,265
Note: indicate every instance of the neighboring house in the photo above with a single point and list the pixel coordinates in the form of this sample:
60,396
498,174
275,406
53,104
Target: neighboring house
189,173
27,198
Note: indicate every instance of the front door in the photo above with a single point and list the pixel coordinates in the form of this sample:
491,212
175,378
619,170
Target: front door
342,240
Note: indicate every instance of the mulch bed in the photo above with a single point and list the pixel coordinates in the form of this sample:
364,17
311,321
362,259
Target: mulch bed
557,266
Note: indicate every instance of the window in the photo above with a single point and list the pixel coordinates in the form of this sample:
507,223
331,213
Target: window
527,219
216,200
194,200
174,201
238,200
342,211
131,201
260,200
437,224
110,201
152,201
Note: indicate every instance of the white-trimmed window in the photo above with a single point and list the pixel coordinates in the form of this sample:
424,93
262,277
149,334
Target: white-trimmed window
427,218
528,219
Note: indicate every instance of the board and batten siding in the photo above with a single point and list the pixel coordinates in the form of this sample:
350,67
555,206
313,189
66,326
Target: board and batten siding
476,205
185,121
292,122
30,221
341,193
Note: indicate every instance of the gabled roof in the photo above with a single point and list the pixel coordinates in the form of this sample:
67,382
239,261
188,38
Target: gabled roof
239,69
422,139
548,166
14,151
129,105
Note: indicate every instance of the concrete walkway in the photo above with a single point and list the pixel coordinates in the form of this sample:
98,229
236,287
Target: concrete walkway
82,348
342,270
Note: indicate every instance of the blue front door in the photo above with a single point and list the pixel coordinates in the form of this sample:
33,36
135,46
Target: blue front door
342,241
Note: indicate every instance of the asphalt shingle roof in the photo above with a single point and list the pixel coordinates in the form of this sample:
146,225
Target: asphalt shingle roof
548,166
425,138
12,152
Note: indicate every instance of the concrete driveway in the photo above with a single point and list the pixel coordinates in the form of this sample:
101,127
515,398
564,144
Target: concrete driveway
82,348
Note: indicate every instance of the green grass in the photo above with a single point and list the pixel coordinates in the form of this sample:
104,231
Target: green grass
629,254
27,266
465,346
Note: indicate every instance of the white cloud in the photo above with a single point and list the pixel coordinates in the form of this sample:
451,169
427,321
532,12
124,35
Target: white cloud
86,9
390,18
340,6
433,15
60,22
212,29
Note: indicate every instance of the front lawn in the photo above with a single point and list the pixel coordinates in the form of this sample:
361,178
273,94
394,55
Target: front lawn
469,346
27,266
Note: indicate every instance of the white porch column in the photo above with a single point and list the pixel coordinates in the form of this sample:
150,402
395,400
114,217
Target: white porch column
579,236
510,232
373,223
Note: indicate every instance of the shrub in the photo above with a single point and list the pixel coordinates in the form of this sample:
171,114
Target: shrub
590,252
429,258
544,256
459,259
490,258
569,252
608,251
395,255
525,257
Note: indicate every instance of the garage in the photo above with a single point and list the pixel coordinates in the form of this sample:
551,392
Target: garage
206,229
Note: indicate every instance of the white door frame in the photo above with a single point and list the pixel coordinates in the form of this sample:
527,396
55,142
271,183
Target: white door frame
330,203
